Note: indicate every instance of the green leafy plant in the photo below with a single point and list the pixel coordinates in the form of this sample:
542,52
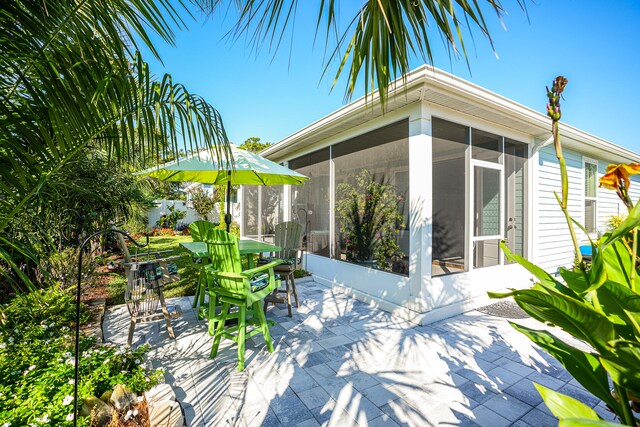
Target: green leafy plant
300,273
203,204
170,219
598,303
369,219
62,100
36,361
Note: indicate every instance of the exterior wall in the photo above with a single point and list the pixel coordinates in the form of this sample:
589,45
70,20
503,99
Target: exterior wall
422,298
392,292
419,297
448,295
554,247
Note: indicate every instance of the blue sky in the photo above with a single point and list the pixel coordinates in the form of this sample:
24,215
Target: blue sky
595,44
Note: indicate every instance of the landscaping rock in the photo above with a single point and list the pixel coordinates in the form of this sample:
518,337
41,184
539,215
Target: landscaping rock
99,411
122,398
106,396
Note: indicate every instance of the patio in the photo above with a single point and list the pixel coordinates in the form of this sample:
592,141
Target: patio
340,362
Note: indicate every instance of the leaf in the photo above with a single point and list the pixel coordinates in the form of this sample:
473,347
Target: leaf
598,272
580,422
620,301
574,316
630,222
575,280
563,406
584,367
545,278
622,365
617,261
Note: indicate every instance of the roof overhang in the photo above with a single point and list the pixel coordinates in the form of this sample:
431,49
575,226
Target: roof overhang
434,86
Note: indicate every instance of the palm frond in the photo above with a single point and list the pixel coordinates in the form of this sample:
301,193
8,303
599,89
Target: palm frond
380,39
71,80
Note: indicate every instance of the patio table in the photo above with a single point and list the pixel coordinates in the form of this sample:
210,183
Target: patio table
246,246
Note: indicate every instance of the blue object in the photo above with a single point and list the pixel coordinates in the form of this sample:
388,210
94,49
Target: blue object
586,250
259,282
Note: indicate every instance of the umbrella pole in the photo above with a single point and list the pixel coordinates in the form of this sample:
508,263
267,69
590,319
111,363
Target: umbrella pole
227,216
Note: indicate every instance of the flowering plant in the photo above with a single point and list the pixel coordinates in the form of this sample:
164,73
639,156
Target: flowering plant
37,363
369,220
598,303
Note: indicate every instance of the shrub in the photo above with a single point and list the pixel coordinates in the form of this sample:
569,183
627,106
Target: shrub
368,218
171,219
300,273
37,363
203,204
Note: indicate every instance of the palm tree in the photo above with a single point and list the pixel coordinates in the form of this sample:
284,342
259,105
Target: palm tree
71,79
380,38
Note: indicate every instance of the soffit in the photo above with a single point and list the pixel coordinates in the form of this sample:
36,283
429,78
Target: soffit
427,84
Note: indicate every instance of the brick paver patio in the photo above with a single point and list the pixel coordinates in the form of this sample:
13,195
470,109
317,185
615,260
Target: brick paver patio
339,362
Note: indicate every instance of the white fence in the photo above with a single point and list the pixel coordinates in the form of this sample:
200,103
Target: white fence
162,208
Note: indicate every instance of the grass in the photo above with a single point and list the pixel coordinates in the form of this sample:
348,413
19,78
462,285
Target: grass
186,268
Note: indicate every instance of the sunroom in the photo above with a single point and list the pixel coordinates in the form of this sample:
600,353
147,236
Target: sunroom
406,209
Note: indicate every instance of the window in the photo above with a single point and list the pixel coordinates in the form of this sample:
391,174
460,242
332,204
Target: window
371,186
590,194
369,222
449,150
479,198
310,202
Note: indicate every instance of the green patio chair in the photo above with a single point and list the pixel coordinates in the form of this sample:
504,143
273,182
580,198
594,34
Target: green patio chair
243,289
199,230
287,236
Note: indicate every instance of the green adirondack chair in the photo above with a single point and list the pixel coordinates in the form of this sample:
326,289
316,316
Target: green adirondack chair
287,236
244,289
199,230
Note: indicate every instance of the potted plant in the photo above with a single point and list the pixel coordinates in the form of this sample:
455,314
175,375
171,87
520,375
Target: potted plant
369,220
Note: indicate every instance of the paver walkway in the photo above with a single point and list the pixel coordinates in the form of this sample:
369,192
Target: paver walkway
339,362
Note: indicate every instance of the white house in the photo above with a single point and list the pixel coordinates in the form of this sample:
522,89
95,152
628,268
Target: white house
466,167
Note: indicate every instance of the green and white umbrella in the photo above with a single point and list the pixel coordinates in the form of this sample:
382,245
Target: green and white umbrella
245,168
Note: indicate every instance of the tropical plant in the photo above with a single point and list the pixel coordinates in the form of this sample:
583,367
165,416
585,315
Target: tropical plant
171,218
203,204
381,37
71,79
597,303
367,212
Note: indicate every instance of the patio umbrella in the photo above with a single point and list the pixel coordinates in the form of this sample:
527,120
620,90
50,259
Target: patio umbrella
246,168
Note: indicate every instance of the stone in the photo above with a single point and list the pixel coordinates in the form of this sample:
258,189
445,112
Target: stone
99,411
122,398
106,396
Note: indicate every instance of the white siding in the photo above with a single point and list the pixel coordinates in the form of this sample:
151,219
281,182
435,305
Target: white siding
554,246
